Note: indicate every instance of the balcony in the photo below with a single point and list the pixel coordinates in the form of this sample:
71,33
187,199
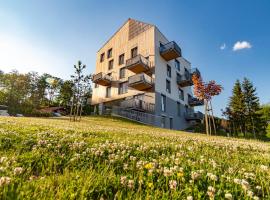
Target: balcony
192,101
194,116
185,80
140,82
102,79
138,104
170,51
138,64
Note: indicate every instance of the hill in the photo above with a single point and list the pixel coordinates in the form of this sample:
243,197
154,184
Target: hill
111,158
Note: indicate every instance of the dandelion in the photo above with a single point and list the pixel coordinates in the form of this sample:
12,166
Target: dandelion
150,185
18,170
172,184
148,166
228,196
5,181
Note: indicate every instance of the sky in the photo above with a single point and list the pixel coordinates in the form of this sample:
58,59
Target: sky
226,40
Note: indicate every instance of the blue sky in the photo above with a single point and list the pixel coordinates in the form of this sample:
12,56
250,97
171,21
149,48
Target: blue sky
50,36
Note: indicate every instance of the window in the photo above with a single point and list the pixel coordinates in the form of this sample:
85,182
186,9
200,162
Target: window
169,71
168,86
163,103
123,88
110,66
163,121
122,72
177,65
181,94
134,52
109,54
108,92
102,57
178,77
121,59
171,123
178,109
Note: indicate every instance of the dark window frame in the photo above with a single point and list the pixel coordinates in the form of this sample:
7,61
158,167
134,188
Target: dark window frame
177,66
181,94
122,72
163,103
109,53
123,88
169,71
121,59
134,52
178,109
168,86
102,57
110,66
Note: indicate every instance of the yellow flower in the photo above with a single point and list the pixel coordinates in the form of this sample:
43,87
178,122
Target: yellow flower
150,185
180,174
148,166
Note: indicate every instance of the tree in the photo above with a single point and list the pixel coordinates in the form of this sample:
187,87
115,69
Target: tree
253,120
65,93
81,83
206,91
238,107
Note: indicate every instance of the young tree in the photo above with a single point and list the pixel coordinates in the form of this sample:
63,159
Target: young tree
65,93
81,83
206,91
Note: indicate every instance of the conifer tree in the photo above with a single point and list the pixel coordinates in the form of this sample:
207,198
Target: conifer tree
254,122
238,107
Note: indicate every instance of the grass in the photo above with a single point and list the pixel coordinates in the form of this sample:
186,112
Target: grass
268,131
110,158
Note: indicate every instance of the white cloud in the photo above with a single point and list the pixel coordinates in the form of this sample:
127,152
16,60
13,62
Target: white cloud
223,46
241,45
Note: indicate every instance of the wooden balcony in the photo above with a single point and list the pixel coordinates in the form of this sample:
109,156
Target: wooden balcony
102,79
194,116
138,64
193,101
140,82
170,51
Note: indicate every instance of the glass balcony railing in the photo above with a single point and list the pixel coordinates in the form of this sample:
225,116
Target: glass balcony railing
138,64
102,79
140,81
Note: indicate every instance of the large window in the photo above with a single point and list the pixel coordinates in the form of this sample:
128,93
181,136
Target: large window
178,109
169,71
102,56
181,94
123,88
121,59
177,65
122,72
134,52
163,121
109,54
163,103
110,66
108,92
168,86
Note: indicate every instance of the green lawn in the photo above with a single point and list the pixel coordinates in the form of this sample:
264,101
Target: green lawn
109,158
268,131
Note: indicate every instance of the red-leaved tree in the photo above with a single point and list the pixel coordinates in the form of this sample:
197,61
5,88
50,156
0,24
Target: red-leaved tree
206,91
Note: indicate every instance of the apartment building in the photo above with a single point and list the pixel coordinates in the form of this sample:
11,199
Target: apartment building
142,75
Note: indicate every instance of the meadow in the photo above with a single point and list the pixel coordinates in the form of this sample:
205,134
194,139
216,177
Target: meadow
111,158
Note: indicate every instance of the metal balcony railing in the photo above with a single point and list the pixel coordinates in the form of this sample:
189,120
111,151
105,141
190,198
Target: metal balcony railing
170,51
138,104
186,79
138,64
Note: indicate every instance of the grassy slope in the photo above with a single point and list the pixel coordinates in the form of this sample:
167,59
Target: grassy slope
113,158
